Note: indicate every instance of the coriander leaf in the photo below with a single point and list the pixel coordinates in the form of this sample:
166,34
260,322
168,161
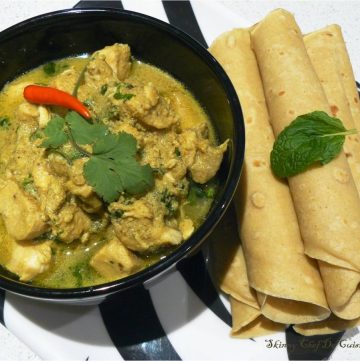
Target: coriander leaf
310,138
100,174
55,133
116,146
84,132
135,177
113,168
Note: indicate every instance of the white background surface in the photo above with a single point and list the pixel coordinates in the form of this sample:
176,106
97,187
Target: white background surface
310,15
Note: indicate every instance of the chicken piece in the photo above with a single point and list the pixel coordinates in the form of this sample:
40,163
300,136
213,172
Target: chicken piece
117,56
21,213
66,80
119,127
28,260
36,115
150,108
207,162
161,151
139,230
50,188
188,140
77,185
144,234
25,154
27,113
139,209
71,223
186,227
145,98
58,165
201,158
98,73
114,261
44,116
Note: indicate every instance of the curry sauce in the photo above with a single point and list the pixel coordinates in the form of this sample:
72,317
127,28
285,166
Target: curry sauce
59,228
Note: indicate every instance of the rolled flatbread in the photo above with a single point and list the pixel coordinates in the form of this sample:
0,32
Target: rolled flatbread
332,325
322,50
334,34
230,275
326,200
249,322
341,285
289,281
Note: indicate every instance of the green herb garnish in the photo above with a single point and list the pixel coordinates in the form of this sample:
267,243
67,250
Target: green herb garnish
122,96
29,186
38,134
103,89
49,68
117,214
309,139
195,192
112,167
199,191
210,192
55,133
170,201
4,122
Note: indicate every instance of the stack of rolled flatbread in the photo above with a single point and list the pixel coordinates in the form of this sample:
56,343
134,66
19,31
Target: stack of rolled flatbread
299,259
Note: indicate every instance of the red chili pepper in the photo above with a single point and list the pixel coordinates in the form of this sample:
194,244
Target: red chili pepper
50,96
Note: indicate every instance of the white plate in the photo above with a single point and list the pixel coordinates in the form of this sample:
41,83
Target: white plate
180,317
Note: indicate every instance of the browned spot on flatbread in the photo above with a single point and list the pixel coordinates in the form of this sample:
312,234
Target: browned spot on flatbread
341,175
282,92
258,200
259,163
334,109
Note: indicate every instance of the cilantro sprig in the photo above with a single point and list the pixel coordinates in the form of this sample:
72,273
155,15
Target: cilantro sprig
112,167
311,138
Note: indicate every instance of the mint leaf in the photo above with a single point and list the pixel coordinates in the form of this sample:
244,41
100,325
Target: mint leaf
311,138
55,133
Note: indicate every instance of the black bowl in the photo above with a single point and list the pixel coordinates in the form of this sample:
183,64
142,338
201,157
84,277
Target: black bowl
74,32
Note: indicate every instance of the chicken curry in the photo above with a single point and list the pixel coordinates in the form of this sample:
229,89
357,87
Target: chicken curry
86,202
